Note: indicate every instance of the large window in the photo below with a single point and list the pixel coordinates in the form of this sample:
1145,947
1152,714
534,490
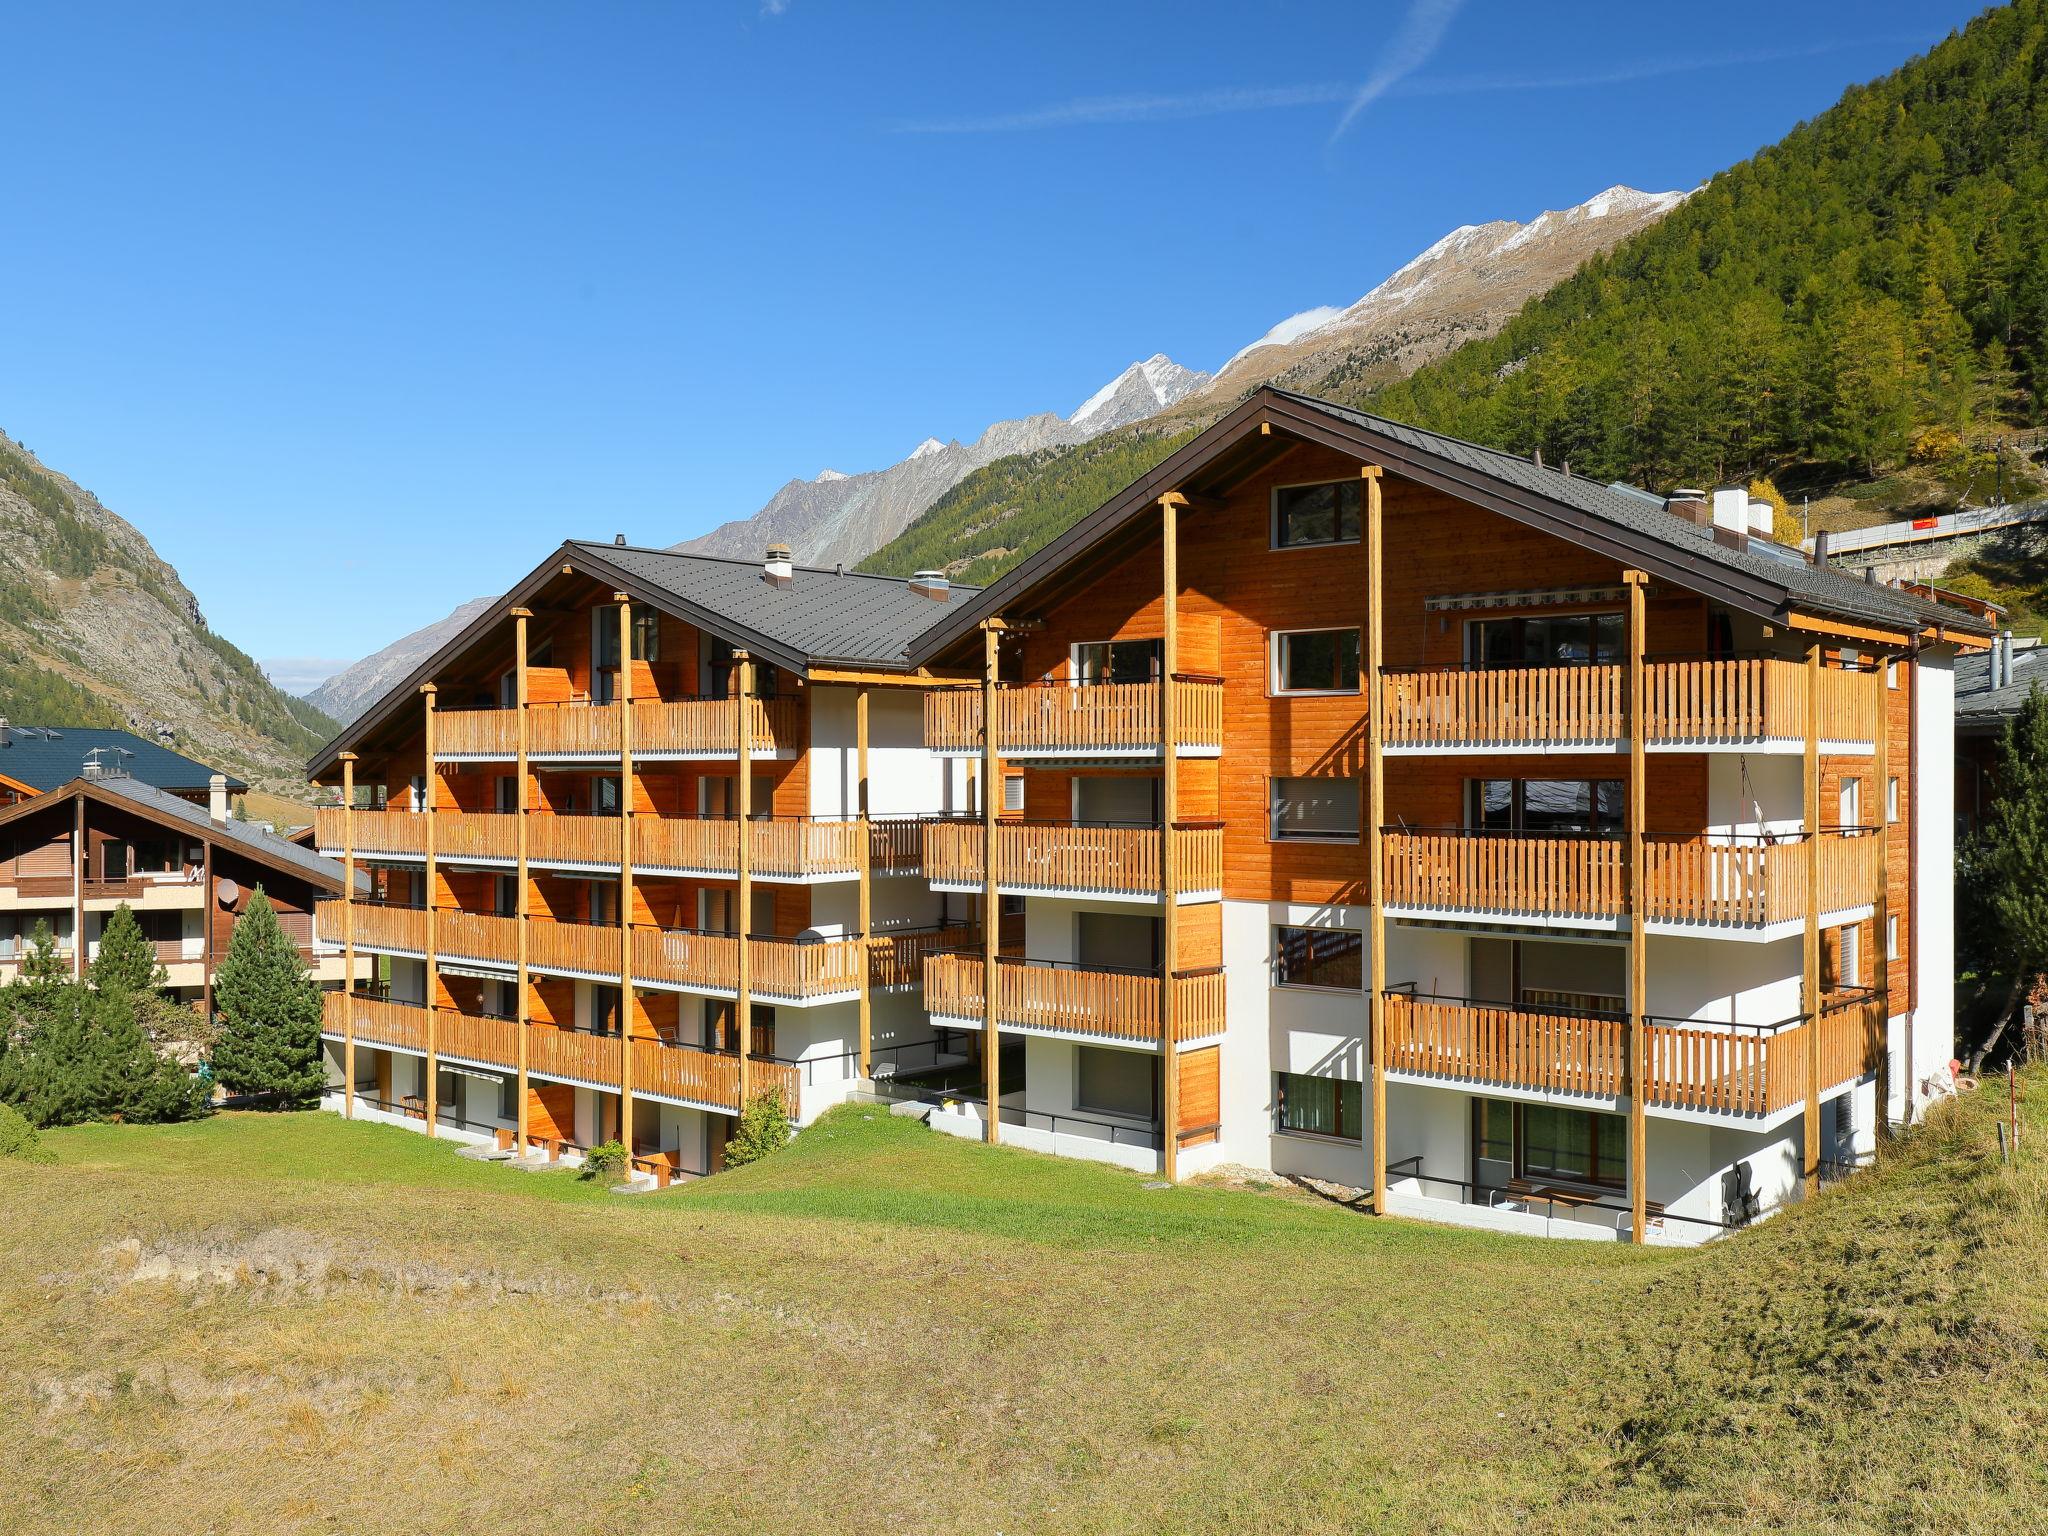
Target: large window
1573,1144
1112,1082
1319,1106
1315,661
1547,805
1547,640
1117,661
1317,514
1313,810
1318,957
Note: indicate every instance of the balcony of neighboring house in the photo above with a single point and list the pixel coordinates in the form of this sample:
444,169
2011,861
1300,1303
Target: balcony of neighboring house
781,849
588,731
1564,1050
1735,885
1088,859
1100,1005
1755,704
1079,721
796,971
688,1075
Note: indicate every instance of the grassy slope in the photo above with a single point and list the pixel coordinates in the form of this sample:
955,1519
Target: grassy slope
887,1329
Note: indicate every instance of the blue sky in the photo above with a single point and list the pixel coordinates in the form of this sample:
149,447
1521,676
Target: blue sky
357,310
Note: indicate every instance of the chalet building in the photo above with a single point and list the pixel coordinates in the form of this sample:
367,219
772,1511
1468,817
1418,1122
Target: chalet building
1361,804
1533,852
640,844
35,759
1990,688
76,852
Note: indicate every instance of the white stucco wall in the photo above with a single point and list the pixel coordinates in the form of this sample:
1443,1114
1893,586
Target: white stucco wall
1933,1022
903,778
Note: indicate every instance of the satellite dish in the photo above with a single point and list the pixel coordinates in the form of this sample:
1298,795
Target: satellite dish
228,892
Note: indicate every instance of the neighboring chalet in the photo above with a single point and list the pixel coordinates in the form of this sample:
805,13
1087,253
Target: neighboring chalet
35,759
1364,804
1990,688
581,945
77,851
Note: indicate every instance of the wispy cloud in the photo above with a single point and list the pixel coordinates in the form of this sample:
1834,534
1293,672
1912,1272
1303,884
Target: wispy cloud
774,7
1420,34
1094,110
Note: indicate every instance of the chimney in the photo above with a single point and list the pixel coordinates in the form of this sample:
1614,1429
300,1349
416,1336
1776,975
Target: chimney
1762,520
217,798
619,539
776,568
1731,509
1820,547
6,733
932,584
1690,505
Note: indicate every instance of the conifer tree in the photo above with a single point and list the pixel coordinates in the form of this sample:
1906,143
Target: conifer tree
126,959
269,1042
2007,858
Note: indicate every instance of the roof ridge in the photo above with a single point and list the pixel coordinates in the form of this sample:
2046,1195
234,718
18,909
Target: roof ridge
691,554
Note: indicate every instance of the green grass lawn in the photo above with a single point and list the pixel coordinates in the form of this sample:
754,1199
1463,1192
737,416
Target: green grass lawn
290,1323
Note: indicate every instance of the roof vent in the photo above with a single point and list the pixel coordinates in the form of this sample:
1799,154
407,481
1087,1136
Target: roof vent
1690,505
776,566
619,539
932,584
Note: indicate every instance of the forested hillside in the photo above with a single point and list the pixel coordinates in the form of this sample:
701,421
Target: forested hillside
1873,287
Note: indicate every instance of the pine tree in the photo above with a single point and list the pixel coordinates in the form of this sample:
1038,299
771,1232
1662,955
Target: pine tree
269,1044
2006,860
126,959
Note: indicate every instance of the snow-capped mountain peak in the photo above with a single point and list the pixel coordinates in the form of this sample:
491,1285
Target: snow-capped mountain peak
927,448
1143,389
825,475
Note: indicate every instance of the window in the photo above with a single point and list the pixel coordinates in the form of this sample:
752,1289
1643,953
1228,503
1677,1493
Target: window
1891,800
1547,805
1546,640
1891,938
1315,661
1112,1082
604,1008
1117,661
1851,966
1305,515
718,666
1013,793
1319,1106
1318,957
646,635
1891,674
722,1027
1318,810
1573,1144
1851,803
508,1099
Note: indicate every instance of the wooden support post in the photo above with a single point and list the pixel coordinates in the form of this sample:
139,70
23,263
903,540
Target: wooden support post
430,782
523,1006
206,905
1169,806
348,935
743,1007
867,941
1375,819
991,915
1638,916
1882,977
78,888
1810,977
624,694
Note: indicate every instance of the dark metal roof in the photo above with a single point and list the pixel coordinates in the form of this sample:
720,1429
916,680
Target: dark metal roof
43,757
1626,526
1979,704
252,838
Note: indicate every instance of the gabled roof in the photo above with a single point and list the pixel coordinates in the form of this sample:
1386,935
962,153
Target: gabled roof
246,837
820,619
1628,527
1984,707
42,757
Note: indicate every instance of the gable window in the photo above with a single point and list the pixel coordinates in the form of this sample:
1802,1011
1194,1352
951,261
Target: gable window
1548,640
1313,810
1318,1106
1307,515
1319,957
1116,661
1315,661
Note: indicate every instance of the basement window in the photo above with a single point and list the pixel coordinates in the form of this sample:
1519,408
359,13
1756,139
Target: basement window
1306,1105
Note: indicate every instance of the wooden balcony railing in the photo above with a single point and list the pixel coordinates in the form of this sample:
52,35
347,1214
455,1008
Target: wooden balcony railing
1713,1068
685,727
896,844
660,1067
1686,703
897,959
780,968
1118,1005
1075,720
1751,883
1068,856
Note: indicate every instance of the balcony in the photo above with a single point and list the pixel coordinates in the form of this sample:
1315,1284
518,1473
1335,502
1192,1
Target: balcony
782,970
897,960
1075,859
1691,885
1751,704
1078,722
663,731
1692,1066
780,848
661,1068
1046,997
